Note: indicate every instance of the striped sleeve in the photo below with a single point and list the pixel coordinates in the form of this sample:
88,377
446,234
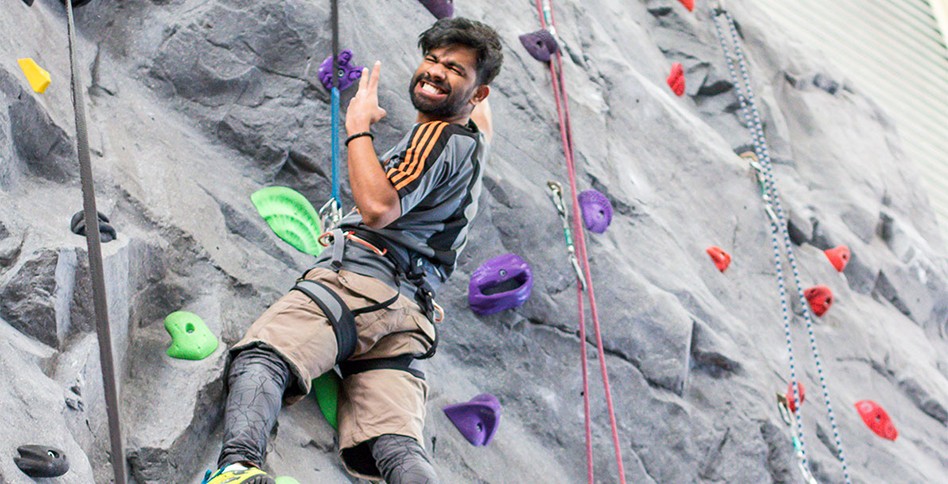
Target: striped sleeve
428,141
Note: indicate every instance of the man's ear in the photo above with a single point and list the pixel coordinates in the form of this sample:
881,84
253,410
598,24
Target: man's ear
480,94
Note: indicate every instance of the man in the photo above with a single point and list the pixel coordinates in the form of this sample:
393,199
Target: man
368,302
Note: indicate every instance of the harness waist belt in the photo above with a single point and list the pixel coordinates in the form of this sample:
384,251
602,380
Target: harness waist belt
407,363
342,319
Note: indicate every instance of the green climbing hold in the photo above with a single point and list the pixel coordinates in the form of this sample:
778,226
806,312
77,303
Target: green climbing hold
285,480
190,337
326,387
290,215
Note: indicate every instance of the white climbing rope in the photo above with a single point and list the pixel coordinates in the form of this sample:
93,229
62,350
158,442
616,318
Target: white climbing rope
771,197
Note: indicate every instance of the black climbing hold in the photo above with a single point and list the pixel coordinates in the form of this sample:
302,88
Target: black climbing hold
540,44
29,3
41,461
106,232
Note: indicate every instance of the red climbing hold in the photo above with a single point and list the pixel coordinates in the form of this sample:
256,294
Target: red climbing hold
838,256
791,404
676,80
689,4
876,419
820,299
721,259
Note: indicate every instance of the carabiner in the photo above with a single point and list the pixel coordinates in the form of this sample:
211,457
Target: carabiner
330,214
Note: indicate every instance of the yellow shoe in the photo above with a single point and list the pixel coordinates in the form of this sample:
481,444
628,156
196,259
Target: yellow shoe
240,476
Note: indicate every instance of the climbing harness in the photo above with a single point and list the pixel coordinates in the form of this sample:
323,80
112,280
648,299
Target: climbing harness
93,243
342,319
412,269
778,226
584,276
331,212
556,194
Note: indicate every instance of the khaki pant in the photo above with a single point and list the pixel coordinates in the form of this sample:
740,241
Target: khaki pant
374,402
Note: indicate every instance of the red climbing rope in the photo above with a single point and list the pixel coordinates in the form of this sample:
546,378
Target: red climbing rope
562,111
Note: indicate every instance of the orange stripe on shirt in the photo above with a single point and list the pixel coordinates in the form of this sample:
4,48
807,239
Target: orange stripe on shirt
418,166
413,159
396,171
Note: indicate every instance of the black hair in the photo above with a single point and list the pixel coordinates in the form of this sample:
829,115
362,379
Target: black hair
471,33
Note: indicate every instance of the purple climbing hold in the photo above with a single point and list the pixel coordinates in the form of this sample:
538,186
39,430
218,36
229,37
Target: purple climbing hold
501,283
540,44
477,420
597,210
348,73
439,8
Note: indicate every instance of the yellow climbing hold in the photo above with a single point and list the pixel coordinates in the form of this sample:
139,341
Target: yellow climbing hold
38,77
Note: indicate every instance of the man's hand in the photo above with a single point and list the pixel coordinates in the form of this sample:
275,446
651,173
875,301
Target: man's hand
484,119
364,110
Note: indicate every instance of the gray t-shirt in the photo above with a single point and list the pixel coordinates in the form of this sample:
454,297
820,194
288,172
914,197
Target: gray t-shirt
436,170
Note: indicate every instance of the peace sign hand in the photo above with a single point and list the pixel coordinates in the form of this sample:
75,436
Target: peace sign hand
364,110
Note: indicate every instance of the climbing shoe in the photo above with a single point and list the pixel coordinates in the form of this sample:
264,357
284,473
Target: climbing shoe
237,475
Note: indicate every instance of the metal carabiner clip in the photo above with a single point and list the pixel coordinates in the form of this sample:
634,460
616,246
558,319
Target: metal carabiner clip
557,196
330,214
784,409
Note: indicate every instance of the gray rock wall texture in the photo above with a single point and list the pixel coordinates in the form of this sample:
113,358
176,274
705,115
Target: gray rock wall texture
195,104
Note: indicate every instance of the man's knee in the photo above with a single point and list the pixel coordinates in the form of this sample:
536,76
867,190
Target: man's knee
259,362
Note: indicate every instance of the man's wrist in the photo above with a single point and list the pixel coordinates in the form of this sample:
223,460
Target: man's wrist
357,128
360,134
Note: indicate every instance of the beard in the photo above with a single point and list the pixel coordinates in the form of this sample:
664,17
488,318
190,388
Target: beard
451,106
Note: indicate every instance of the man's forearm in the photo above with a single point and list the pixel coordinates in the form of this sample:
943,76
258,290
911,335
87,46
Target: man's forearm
373,193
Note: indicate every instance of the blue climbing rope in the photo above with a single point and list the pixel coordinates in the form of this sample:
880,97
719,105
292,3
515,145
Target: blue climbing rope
331,213
335,137
778,223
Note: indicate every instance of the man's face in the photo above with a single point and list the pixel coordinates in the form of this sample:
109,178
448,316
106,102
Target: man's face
444,83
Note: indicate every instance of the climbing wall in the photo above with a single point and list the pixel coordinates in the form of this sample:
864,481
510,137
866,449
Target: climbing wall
194,105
